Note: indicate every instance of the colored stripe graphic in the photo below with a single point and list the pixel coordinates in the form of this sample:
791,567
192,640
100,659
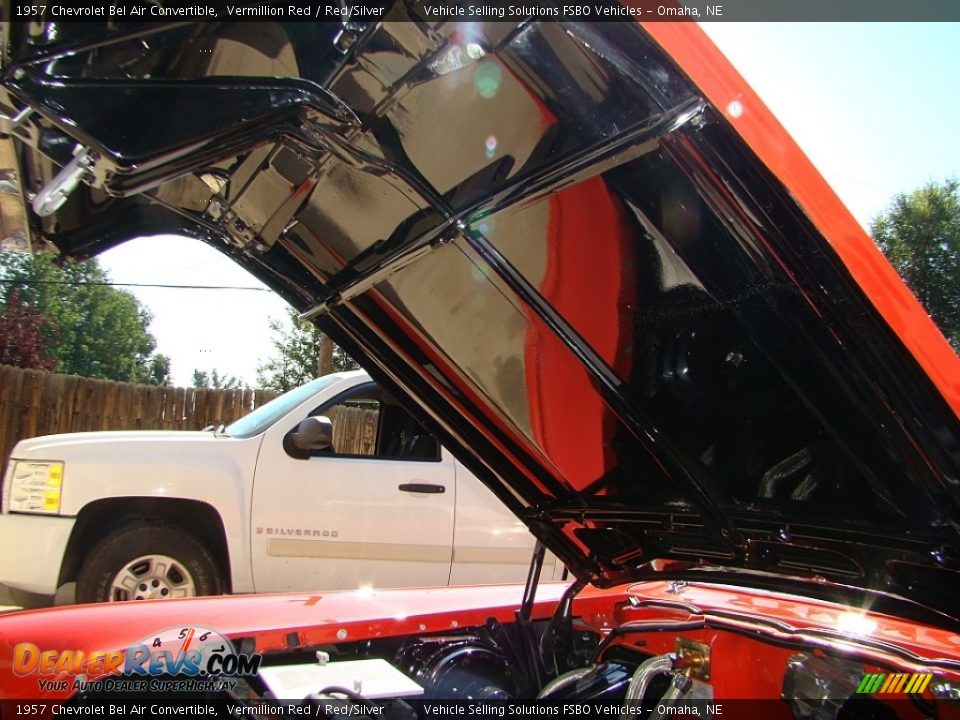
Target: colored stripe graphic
920,683
895,683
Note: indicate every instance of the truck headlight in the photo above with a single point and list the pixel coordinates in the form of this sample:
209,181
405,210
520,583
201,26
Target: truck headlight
35,486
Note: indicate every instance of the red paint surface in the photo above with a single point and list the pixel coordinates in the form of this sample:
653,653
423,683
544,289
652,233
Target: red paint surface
589,275
745,666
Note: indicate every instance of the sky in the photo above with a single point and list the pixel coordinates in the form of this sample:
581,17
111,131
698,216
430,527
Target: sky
874,106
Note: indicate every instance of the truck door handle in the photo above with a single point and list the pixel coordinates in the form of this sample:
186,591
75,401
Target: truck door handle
422,488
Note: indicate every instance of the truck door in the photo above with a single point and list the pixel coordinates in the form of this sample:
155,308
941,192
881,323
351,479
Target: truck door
491,545
374,510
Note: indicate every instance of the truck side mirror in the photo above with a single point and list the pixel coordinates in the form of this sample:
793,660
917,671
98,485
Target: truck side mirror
313,433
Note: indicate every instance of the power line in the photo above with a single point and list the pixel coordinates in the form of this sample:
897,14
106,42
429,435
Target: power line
143,285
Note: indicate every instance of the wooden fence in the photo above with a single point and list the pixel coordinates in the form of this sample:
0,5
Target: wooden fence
355,428
36,403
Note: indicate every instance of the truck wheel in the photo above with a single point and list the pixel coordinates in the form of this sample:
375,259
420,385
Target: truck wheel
147,562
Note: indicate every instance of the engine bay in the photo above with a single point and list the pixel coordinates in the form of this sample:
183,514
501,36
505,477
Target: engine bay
653,654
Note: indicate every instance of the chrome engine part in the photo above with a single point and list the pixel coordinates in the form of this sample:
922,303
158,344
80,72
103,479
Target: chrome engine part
825,688
605,681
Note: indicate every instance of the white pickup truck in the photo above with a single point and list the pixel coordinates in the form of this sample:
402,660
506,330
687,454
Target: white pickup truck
330,486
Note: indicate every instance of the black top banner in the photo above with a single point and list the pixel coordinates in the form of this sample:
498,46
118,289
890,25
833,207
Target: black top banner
490,10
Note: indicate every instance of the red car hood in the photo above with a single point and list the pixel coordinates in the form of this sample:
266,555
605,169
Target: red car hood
615,286
274,622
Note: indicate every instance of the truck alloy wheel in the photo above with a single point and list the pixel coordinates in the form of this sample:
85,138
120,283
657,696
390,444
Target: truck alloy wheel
152,577
149,561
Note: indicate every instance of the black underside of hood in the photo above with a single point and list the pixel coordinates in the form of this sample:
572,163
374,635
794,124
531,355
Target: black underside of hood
544,236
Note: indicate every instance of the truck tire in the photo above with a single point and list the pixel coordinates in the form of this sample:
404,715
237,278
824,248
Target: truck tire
145,562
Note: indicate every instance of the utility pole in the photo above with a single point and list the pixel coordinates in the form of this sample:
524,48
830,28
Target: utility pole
325,356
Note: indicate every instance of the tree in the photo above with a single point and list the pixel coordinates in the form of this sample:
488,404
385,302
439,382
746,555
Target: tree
91,329
213,379
22,336
920,234
157,370
303,352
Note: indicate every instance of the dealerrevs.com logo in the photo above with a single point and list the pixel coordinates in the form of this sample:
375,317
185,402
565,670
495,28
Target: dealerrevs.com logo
190,658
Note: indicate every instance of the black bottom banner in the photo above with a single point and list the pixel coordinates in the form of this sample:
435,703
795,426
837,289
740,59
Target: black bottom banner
129,707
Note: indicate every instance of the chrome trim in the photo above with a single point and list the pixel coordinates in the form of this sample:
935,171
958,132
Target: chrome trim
9,124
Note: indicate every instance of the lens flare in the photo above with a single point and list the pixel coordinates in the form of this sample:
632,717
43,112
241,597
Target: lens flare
474,51
488,79
477,274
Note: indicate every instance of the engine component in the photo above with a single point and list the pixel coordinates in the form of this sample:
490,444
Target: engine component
946,691
562,682
818,688
606,681
672,678
464,667
370,678
693,658
648,670
680,686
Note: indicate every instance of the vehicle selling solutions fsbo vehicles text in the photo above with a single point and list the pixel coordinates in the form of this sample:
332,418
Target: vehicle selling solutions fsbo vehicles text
480,10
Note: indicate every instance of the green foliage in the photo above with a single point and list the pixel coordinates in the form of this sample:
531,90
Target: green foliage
920,234
214,380
157,370
91,329
303,352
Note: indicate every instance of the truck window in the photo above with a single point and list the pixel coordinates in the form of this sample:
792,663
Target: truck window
266,415
367,424
355,424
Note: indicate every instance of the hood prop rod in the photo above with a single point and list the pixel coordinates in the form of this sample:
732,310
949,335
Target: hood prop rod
537,648
529,645
533,579
56,192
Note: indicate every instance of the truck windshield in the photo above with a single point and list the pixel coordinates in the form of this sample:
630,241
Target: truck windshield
266,415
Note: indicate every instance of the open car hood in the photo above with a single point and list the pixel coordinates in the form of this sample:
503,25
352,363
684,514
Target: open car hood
614,285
